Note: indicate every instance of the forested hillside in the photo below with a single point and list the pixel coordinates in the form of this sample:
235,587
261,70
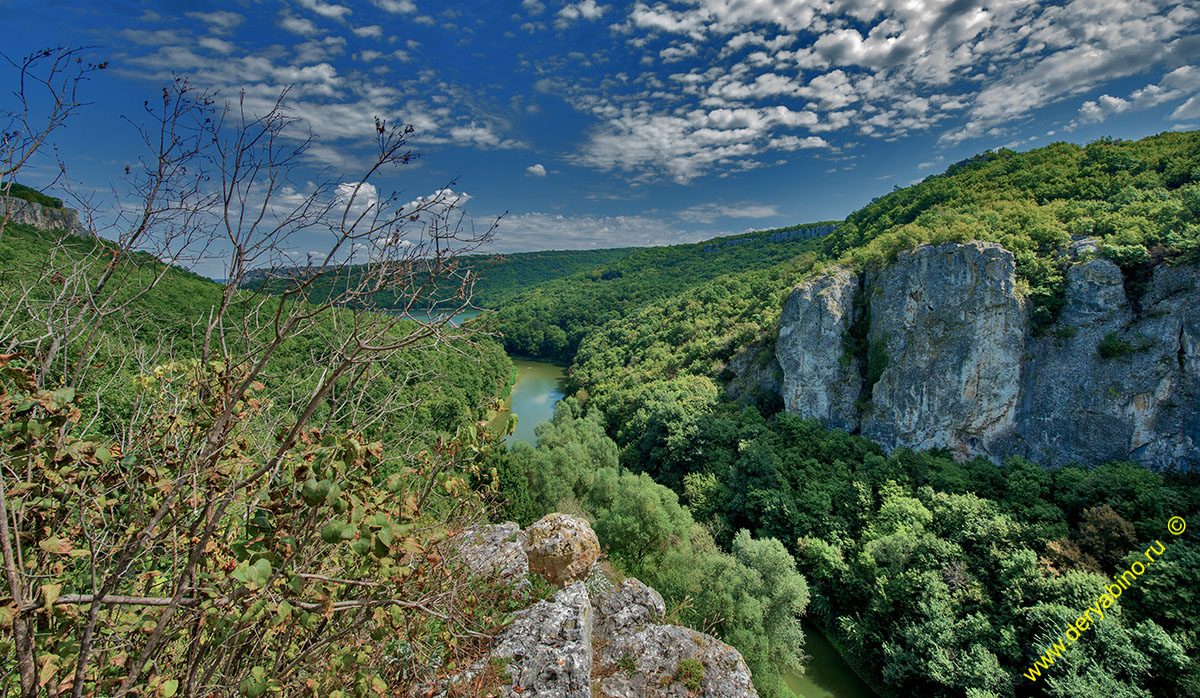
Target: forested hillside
551,319
498,277
171,315
938,577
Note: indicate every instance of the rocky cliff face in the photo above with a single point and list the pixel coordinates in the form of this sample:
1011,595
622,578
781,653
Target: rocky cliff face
38,216
592,639
953,363
821,378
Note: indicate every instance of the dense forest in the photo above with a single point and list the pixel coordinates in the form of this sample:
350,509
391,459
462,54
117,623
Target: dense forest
496,278
551,319
936,577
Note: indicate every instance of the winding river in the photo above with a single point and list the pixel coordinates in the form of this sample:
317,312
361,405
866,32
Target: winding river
539,385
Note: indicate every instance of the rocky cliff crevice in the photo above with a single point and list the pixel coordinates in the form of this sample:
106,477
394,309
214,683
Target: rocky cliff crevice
593,638
959,368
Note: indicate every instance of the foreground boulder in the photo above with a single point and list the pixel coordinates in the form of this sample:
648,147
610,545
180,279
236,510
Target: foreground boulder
561,548
592,639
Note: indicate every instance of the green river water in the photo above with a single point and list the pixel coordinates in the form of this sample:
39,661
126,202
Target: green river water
539,385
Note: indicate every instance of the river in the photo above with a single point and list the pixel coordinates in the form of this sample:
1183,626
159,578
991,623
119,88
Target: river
435,315
539,385
827,675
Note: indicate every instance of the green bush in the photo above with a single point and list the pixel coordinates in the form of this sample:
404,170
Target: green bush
1112,347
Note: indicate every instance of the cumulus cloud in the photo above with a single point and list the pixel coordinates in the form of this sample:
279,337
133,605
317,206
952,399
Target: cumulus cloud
878,68
1179,84
399,7
585,9
439,203
325,9
373,31
536,170
699,141
297,25
357,199
218,21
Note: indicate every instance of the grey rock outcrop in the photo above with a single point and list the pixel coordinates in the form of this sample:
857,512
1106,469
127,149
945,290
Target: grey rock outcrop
953,332
639,657
819,378
1141,404
548,648
754,370
964,372
593,639
31,213
497,552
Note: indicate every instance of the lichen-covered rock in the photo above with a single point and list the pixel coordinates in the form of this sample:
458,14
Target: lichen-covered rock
630,605
962,370
34,214
637,657
496,551
561,548
952,328
547,651
819,378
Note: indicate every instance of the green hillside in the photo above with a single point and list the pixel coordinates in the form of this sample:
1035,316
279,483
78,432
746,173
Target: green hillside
167,321
551,319
498,277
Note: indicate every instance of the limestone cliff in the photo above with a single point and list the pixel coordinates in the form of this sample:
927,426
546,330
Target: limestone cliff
34,214
592,639
953,362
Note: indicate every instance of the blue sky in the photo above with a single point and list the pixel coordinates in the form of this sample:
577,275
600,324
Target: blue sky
600,124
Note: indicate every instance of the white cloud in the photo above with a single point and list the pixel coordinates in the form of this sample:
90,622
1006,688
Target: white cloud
700,141
438,203
549,231
373,31
1188,110
220,20
585,9
533,7
214,44
325,9
1179,84
297,25
357,199
881,68
536,170
399,7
